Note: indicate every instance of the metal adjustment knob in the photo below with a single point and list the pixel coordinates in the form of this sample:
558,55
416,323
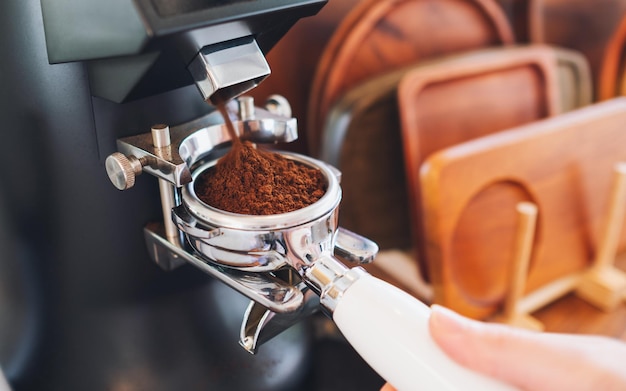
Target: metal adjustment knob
279,105
122,170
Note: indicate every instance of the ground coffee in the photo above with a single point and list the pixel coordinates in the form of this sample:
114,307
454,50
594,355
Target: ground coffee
251,181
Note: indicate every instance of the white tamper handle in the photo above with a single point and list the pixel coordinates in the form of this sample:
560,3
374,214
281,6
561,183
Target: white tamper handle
389,329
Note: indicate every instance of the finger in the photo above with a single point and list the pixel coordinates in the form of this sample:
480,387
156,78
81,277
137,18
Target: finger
387,387
525,359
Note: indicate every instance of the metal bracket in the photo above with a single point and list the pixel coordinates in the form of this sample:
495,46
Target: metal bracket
264,288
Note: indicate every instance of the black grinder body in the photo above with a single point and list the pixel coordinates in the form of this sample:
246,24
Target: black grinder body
83,306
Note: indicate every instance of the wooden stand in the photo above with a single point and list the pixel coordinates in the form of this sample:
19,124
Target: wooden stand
604,286
513,313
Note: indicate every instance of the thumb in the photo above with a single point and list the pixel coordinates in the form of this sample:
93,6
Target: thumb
479,346
525,359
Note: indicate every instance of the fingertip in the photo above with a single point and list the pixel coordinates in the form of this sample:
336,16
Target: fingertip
387,387
445,321
491,349
455,334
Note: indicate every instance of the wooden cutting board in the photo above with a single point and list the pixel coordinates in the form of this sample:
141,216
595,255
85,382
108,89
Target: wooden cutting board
467,97
562,164
379,36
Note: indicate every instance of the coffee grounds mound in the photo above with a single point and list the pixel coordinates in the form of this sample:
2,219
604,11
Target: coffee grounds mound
255,182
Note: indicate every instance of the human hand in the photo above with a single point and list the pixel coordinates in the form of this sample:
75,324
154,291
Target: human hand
530,360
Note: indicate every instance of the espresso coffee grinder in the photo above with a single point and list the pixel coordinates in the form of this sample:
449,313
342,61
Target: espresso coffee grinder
84,311
82,306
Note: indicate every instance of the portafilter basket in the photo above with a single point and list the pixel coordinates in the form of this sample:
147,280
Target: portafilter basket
261,243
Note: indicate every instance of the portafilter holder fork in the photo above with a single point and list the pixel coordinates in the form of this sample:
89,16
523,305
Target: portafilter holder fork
286,263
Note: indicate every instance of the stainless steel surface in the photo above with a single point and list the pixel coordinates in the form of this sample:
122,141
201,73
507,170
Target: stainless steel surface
168,201
261,324
168,193
354,248
331,279
278,105
190,142
123,170
265,127
226,70
246,107
303,241
264,288
256,227
161,136
251,254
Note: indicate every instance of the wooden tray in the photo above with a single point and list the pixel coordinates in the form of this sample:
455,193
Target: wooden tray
525,17
575,81
582,25
611,81
379,36
468,97
563,164
362,138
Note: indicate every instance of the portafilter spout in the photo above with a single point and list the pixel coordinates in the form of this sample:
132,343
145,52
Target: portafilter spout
226,70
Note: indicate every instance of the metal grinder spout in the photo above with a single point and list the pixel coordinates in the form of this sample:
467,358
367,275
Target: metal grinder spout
226,70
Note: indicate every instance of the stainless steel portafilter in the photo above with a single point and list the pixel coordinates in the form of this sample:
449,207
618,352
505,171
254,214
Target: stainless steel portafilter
288,264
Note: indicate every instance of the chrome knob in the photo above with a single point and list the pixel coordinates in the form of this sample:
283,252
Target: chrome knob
279,105
122,170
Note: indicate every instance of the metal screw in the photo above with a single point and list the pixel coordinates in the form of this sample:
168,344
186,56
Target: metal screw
122,170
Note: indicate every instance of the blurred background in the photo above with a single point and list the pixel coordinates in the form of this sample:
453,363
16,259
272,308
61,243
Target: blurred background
443,116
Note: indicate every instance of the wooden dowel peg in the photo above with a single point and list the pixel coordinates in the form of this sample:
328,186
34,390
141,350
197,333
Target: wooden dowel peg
607,249
525,235
605,286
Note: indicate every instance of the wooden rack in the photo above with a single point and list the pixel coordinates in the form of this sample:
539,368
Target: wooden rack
602,285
